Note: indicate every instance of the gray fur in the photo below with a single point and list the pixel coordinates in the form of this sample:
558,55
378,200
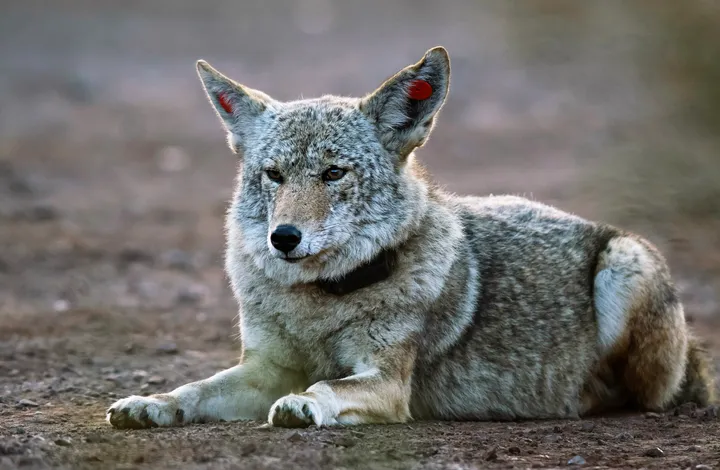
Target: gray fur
495,309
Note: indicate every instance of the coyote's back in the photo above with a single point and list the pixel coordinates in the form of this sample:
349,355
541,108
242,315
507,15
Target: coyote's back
569,318
369,295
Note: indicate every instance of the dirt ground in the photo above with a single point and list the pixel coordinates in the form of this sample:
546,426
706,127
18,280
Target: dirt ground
114,179
62,368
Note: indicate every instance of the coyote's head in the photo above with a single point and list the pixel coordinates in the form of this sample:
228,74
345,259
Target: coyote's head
325,184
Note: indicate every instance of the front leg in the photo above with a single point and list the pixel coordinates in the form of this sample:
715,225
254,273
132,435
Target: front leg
378,392
245,391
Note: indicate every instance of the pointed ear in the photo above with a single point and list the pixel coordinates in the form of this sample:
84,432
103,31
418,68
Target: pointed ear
237,106
404,107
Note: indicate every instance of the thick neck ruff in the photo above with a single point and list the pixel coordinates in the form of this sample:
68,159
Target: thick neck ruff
376,270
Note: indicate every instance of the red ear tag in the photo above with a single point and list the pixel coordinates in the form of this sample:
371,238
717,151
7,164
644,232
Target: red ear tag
420,90
222,99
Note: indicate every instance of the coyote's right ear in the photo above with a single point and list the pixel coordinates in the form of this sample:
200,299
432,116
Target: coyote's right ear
237,106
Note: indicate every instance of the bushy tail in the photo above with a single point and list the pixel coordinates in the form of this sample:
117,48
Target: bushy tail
698,385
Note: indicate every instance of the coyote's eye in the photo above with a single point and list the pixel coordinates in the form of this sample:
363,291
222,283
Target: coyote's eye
274,175
333,174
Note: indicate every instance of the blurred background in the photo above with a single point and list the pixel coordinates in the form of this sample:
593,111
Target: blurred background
114,175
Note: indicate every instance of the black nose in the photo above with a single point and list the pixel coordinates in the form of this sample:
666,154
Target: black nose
285,238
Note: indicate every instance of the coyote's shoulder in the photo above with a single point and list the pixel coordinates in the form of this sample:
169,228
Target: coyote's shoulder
369,295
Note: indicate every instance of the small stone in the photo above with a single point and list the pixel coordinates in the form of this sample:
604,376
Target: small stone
95,438
191,294
63,442
295,437
703,467
651,415
694,449
577,460
344,441
115,378
156,380
61,305
139,375
624,436
686,409
27,403
247,449
167,348
552,438
654,452
587,426
491,455
134,255
21,184
514,450
146,288
711,412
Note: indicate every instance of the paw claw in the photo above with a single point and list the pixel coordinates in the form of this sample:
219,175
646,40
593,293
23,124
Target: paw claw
143,412
296,411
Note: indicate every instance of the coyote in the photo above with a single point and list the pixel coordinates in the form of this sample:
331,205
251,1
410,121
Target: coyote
369,295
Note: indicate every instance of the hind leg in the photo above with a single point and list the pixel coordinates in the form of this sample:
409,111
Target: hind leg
640,322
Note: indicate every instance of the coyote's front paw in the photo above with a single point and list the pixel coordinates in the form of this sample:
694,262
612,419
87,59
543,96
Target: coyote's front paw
137,412
297,411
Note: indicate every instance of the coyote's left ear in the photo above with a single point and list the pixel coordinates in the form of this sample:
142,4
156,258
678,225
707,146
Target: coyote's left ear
404,107
237,106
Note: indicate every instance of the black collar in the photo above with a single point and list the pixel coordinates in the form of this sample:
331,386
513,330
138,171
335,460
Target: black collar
376,270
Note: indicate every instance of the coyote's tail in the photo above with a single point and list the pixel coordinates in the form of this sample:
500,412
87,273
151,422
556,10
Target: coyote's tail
698,385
